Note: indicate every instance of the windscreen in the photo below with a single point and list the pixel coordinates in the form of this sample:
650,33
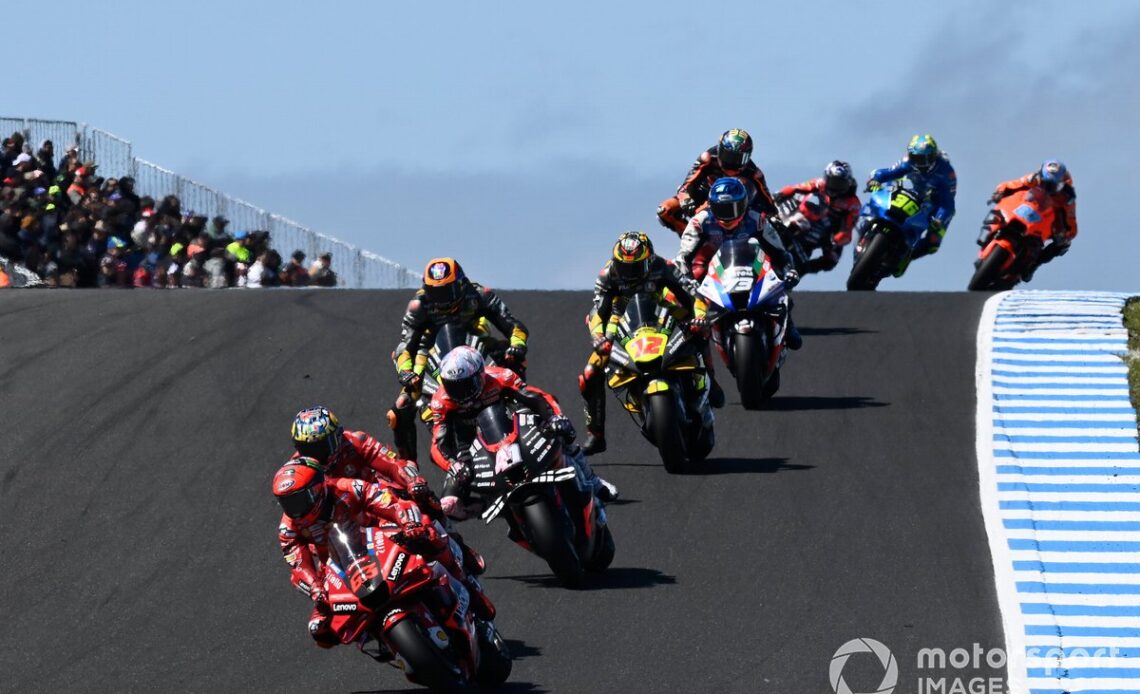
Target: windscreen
641,310
346,544
495,423
450,336
737,252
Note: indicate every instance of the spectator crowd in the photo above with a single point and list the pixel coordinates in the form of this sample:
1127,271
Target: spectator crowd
73,228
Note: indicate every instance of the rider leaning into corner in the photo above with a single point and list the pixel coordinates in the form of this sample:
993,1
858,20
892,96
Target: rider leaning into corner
319,436
728,215
312,502
828,224
633,268
731,156
467,386
1054,178
929,170
446,296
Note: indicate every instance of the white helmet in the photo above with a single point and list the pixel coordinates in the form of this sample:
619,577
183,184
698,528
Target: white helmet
461,374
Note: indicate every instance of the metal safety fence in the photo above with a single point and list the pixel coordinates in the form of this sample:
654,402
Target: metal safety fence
356,268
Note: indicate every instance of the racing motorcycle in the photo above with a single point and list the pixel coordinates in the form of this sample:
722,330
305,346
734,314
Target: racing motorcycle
521,474
748,309
659,377
380,589
802,226
899,217
1024,222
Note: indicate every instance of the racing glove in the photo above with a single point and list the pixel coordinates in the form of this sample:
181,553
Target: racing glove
699,326
461,471
317,593
419,538
516,353
872,186
601,344
561,426
688,205
995,197
409,379
791,278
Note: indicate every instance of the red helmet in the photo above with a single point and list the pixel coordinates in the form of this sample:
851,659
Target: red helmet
300,489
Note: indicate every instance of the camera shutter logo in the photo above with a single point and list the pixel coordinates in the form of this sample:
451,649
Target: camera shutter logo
880,650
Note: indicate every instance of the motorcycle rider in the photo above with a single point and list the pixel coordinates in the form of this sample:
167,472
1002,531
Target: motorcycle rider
633,268
731,156
929,169
826,226
318,435
468,385
311,502
1057,182
446,295
728,215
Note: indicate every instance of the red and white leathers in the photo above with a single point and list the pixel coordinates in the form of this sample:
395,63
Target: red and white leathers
830,228
362,456
1064,203
694,190
452,431
305,546
704,235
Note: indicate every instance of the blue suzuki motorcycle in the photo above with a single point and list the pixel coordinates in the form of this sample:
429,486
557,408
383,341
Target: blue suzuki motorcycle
899,216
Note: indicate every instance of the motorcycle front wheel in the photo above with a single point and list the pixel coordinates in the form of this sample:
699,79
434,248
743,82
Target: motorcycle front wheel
553,540
750,355
989,272
430,666
665,428
865,274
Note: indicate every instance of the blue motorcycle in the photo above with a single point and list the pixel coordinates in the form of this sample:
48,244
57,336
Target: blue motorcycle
899,215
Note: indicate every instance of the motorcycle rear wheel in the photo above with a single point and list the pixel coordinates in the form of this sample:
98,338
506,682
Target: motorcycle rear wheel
865,274
553,541
665,428
988,273
430,666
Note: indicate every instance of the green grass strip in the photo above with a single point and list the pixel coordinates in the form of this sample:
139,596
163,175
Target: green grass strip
1132,322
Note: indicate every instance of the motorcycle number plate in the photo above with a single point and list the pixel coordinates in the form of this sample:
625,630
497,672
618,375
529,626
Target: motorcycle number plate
739,279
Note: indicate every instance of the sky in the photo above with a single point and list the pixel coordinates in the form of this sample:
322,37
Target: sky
522,138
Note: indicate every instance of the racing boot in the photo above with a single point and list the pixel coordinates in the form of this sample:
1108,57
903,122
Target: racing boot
605,491
716,393
402,422
481,605
590,383
473,562
792,338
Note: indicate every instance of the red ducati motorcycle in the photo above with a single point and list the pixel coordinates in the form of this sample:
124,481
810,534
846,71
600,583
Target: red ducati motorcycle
380,589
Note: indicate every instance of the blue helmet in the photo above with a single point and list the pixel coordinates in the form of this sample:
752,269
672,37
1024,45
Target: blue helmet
728,200
1053,175
922,153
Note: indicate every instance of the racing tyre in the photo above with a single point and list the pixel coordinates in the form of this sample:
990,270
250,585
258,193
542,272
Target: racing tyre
988,274
430,666
865,275
772,385
750,355
553,540
665,427
605,553
494,657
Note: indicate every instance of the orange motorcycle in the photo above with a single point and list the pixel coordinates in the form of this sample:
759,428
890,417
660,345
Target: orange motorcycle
1013,235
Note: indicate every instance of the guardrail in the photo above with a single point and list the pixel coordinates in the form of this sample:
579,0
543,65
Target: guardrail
356,267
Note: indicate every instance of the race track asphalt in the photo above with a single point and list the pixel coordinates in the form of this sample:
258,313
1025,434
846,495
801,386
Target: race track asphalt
141,430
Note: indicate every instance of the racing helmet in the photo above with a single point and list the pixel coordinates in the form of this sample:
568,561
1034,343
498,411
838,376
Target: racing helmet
734,150
444,284
632,254
922,153
461,374
728,200
317,434
837,178
1053,175
299,486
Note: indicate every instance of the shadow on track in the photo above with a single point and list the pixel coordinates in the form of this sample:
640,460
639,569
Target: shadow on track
610,579
821,402
729,466
835,331
507,688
